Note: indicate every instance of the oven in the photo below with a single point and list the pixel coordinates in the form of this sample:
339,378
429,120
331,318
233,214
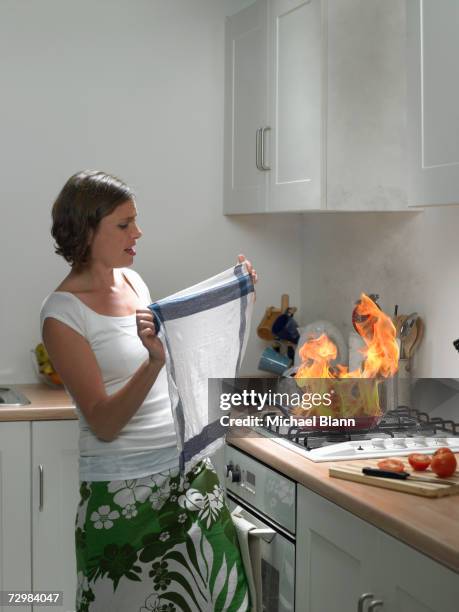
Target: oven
267,500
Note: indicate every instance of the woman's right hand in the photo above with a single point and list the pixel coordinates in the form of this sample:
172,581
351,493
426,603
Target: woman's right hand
147,334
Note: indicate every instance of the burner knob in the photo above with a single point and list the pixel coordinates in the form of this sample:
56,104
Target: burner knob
378,442
229,468
236,474
399,442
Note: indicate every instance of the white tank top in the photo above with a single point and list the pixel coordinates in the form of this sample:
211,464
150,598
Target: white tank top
147,444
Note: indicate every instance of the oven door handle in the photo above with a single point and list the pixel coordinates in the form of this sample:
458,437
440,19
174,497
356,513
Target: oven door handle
264,533
267,535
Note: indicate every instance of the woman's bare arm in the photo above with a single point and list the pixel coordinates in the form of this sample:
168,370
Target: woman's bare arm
77,366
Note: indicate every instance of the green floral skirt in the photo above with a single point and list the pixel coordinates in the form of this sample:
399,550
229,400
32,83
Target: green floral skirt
162,543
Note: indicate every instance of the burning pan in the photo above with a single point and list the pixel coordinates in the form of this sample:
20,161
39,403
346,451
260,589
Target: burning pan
350,404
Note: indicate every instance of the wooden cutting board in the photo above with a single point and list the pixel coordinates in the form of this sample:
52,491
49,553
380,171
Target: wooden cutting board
352,470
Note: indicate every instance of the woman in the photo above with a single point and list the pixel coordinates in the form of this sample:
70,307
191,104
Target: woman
147,538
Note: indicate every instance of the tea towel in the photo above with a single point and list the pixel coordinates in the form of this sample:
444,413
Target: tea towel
250,546
204,330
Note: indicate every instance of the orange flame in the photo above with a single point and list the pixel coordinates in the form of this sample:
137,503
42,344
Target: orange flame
381,352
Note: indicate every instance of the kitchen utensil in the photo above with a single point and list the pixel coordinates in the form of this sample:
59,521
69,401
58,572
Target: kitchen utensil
409,342
403,476
353,471
408,333
398,322
264,330
408,324
272,361
419,335
285,327
420,327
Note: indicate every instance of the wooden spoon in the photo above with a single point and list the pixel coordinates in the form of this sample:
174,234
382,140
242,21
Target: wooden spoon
419,335
409,340
408,333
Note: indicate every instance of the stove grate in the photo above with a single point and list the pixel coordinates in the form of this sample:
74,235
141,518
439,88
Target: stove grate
402,421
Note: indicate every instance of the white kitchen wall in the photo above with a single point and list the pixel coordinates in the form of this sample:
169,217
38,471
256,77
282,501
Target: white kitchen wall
408,259
134,88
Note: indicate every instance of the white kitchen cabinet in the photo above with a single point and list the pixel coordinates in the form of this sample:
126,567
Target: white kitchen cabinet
326,79
293,144
15,531
433,102
246,109
334,555
55,495
38,501
341,557
273,108
412,582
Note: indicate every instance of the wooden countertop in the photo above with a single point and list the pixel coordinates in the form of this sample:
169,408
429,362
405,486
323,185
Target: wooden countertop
429,525
47,404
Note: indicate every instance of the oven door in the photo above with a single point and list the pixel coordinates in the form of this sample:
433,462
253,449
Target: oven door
277,560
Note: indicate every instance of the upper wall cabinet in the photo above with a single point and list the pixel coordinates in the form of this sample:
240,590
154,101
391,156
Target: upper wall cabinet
315,107
433,102
246,109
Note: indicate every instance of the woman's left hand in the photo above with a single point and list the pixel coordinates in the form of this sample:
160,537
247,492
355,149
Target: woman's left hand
250,269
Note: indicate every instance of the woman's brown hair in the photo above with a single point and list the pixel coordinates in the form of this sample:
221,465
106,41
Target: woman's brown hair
85,199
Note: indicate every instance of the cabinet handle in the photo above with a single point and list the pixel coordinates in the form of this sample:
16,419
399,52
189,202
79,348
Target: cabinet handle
362,600
257,149
40,487
375,604
263,130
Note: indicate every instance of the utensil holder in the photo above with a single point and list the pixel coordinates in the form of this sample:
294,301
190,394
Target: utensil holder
264,330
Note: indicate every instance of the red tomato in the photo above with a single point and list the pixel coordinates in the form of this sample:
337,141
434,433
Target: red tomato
391,465
444,464
443,449
419,462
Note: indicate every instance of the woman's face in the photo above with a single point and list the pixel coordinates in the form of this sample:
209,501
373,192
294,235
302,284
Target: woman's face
113,242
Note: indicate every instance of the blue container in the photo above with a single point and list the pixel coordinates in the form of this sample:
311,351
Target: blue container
272,361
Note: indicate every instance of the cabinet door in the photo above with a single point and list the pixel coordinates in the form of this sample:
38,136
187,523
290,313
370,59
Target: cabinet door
15,533
293,146
335,556
366,105
413,582
54,504
433,102
245,185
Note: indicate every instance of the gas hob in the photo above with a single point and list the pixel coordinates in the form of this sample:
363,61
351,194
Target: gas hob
401,432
